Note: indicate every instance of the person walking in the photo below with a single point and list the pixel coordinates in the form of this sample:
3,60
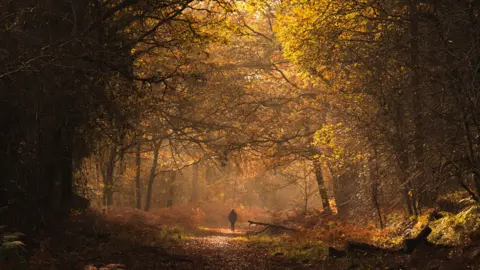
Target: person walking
232,217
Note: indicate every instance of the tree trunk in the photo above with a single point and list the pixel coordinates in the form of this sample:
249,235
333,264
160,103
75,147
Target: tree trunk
250,189
163,177
476,179
417,105
49,176
306,194
66,166
121,154
471,155
108,177
138,191
400,146
209,176
321,186
153,174
194,198
98,178
55,171
332,187
374,175
405,182
171,188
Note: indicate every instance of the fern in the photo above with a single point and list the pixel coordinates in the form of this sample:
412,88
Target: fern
11,245
12,237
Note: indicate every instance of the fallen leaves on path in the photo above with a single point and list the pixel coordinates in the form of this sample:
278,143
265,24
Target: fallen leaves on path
219,248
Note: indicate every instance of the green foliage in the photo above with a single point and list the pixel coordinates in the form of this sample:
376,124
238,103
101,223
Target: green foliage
328,137
388,240
456,228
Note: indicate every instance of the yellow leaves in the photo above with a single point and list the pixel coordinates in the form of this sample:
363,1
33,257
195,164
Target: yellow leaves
271,151
328,75
254,6
316,33
327,139
359,157
326,135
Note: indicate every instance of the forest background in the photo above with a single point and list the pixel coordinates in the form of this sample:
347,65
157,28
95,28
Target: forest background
365,109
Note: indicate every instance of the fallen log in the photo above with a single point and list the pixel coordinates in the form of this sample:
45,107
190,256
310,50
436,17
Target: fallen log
269,225
359,246
353,246
337,253
409,245
435,216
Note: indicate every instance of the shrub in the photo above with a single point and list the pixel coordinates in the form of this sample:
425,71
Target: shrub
456,228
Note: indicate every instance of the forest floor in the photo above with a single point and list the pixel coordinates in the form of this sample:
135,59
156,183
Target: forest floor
211,248
208,248
137,240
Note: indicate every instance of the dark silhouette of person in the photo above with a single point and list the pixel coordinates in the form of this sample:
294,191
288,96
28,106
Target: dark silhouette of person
232,217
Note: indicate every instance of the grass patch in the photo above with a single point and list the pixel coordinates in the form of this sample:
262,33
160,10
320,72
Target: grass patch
173,234
241,239
289,247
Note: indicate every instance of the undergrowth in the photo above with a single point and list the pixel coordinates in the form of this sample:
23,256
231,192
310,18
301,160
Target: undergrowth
147,233
12,251
456,229
289,247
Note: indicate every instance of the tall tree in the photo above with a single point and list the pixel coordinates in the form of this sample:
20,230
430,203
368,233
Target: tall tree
138,183
153,174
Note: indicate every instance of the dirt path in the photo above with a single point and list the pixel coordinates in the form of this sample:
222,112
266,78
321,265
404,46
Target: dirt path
222,249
